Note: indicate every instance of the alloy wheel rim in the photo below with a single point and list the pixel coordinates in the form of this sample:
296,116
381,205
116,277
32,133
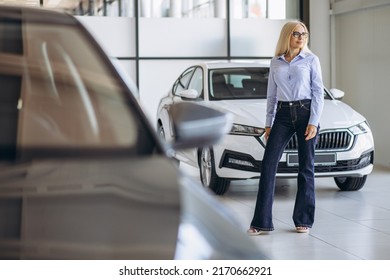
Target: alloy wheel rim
162,134
206,166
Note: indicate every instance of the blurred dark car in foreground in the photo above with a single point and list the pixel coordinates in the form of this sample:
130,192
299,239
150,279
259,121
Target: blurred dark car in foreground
82,173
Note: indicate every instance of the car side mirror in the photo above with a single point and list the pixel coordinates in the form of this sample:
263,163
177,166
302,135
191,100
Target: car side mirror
196,125
337,94
189,93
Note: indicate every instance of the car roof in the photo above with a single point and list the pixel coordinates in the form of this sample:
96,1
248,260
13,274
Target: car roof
235,64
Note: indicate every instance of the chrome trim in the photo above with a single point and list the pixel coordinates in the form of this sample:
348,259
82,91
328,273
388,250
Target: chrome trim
331,140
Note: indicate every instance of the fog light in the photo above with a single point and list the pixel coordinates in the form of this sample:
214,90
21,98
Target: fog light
240,162
365,160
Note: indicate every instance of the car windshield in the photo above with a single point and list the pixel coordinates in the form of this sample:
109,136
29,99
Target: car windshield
241,83
238,83
59,93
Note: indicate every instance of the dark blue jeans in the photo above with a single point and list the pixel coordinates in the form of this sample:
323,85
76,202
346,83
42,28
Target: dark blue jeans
290,118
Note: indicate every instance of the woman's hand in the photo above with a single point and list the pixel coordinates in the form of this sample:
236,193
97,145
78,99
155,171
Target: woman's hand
267,132
311,132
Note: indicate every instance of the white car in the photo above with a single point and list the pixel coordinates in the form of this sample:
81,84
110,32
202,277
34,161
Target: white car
345,147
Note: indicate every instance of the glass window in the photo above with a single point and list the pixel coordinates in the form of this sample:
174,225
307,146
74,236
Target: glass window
122,8
196,82
67,94
238,83
182,82
183,8
270,9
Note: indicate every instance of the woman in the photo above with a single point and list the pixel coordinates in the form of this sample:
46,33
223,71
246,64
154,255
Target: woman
294,105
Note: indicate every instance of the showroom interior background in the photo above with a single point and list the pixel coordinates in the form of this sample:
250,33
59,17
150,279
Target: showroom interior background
350,38
154,45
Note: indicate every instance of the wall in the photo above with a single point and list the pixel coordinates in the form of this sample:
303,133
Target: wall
361,64
166,46
116,36
320,36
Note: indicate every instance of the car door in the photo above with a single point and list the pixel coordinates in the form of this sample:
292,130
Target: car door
179,85
192,79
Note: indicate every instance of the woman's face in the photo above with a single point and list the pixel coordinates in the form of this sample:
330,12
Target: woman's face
298,37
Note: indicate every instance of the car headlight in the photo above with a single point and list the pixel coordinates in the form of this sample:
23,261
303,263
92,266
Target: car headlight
360,128
239,129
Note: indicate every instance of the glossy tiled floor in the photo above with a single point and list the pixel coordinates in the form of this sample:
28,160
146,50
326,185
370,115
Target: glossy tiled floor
348,225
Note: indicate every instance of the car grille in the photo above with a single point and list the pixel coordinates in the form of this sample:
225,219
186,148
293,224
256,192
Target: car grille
327,141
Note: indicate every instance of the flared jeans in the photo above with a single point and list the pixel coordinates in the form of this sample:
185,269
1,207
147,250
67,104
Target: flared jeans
290,118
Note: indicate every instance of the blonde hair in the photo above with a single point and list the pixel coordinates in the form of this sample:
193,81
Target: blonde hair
283,45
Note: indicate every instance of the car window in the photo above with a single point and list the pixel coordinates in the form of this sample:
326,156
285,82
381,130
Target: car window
238,83
196,82
182,82
59,93
242,83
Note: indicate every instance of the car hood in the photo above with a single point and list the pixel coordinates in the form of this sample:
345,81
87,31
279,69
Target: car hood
336,114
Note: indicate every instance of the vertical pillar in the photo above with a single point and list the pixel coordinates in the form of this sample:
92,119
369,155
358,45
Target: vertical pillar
220,8
91,7
175,8
130,9
188,7
146,8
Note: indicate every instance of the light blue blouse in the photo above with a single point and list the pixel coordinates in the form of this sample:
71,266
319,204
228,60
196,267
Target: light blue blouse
296,80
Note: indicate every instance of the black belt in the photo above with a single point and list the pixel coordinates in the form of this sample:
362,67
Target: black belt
294,103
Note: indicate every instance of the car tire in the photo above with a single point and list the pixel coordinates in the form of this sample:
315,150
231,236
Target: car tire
350,183
208,176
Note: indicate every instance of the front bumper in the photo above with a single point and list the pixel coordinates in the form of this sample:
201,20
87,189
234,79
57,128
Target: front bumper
240,157
354,167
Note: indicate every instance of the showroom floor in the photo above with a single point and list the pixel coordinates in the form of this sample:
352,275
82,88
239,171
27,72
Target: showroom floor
348,225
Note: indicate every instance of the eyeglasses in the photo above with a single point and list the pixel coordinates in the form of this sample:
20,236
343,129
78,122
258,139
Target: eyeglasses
297,34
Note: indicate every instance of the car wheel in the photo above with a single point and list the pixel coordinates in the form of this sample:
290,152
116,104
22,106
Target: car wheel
207,173
160,132
350,183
